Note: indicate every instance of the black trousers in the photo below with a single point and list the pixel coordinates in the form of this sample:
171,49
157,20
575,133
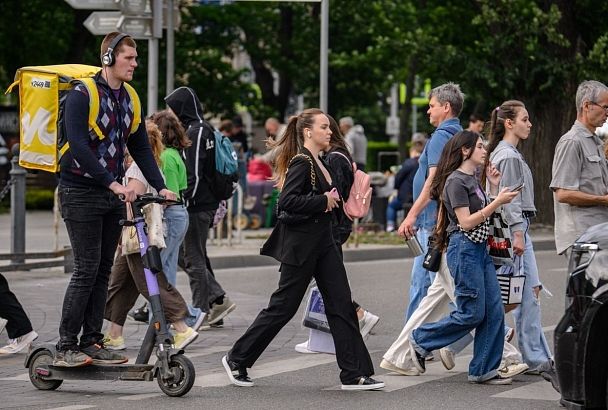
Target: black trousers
17,323
328,270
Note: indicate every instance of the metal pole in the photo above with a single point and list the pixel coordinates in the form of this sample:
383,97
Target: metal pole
152,75
170,48
324,50
17,174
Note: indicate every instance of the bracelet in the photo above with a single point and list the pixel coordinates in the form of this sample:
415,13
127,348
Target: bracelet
483,215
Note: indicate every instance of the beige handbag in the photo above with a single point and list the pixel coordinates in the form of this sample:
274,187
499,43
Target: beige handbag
153,214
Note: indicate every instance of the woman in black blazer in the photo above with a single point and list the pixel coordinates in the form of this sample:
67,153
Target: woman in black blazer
306,249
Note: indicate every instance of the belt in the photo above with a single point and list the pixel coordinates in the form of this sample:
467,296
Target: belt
529,214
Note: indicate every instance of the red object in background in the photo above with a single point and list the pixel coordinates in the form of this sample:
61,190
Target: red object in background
258,170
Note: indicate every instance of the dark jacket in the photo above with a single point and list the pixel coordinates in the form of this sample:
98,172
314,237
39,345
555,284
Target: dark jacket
294,244
92,161
343,177
200,156
404,180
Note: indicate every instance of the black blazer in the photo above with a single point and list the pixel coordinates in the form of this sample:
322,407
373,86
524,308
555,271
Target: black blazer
294,244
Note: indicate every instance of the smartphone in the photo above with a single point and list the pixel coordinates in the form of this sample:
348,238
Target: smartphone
518,187
334,193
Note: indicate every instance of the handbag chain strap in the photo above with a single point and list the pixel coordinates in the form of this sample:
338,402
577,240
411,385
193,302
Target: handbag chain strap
313,176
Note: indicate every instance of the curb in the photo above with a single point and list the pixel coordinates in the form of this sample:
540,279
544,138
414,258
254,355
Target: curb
350,255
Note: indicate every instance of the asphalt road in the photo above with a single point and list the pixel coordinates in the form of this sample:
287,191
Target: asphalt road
284,378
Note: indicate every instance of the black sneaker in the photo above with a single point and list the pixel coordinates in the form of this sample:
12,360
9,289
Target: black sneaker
418,359
71,358
101,355
140,314
237,375
218,324
363,383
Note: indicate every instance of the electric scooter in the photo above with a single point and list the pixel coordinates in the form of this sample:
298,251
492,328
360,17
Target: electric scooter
173,371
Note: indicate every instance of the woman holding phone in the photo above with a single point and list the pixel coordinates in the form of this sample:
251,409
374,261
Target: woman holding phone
302,241
510,125
463,212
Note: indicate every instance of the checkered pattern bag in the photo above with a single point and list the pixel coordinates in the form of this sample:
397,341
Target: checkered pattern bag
479,234
500,246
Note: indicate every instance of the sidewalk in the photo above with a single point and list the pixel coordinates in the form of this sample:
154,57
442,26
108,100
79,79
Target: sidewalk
44,233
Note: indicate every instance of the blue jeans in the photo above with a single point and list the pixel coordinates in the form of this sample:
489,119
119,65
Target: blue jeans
421,278
176,220
478,306
91,216
393,207
531,339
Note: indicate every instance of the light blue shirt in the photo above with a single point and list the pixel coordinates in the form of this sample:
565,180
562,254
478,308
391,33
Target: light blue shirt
429,159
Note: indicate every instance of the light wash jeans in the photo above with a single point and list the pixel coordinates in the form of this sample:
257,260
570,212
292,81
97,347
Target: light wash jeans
421,278
478,306
176,221
530,336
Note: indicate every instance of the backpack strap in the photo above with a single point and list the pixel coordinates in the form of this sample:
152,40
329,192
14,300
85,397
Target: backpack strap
91,87
136,107
354,164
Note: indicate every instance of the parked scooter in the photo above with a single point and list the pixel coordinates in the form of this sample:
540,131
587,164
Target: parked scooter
173,371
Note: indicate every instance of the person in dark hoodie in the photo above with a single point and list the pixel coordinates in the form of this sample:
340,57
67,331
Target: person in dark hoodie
207,294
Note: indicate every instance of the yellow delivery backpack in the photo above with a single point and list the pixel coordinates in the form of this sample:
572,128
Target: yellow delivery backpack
42,94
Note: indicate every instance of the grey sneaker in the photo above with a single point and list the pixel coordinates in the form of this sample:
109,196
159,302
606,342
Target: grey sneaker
219,311
101,355
71,358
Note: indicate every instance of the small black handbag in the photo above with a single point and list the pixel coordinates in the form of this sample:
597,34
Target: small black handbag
294,218
432,259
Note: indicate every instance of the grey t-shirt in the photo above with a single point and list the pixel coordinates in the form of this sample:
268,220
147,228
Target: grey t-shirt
579,164
462,190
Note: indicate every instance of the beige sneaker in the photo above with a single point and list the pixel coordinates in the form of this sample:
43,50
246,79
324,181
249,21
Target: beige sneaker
114,343
20,343
412,371
183,339
512,370
220,311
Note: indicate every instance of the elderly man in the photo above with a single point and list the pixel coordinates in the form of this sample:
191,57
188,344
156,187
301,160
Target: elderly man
580,172
355,140
445,105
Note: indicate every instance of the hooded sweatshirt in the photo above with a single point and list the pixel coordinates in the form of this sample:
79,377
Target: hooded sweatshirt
200,156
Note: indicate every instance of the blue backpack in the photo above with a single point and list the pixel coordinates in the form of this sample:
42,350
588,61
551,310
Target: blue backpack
223,180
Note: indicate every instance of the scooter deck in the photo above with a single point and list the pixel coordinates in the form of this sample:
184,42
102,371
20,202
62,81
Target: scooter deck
142,372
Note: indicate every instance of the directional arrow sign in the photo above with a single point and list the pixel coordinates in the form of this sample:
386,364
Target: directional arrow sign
136,27
102,22
94,4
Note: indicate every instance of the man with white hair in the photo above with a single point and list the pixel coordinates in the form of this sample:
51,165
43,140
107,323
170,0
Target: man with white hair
580,171
355,140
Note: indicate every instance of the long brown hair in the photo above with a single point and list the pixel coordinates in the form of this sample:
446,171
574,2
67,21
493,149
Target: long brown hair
156,140
172,129
337,138
508,110
451,158
291,142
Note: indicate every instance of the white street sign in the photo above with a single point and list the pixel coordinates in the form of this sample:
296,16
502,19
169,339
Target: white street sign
136,27
392,125
135,7
94,4
101,23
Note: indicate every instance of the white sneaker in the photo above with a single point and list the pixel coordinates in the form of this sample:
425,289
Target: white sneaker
3,323
513,370
447,358
303,348
412,371
18,344
367,323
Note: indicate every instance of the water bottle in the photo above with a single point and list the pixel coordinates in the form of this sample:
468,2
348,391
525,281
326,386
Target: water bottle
414,245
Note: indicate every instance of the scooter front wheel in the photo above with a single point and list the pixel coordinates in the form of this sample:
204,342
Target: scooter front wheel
183,377
40,359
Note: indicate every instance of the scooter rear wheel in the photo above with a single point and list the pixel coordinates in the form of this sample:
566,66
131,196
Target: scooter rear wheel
43,357
185,374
